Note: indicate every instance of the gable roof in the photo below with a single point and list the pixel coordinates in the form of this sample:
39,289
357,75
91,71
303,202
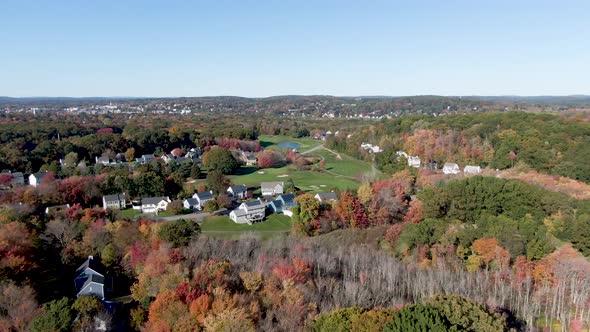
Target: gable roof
202,196
270,185
254,204
192,201
40,175
114,198
90,263
277,204
326,196
239,212
287,198
153,200
238,188
450,165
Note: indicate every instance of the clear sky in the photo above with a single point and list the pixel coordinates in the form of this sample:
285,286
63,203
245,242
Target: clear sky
264,48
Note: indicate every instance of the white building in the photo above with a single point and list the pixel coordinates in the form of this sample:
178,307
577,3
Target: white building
451,168
249,212
35,179
472,169
154,204
202,198
327,197
414,161
238,192
116,201
272,188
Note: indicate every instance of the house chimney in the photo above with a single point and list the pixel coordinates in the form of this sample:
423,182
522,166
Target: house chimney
90,257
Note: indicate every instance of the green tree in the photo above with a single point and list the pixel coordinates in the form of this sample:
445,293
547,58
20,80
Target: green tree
195,172
221,160
337,320
179,232
217,182
109,256
210,206
56,316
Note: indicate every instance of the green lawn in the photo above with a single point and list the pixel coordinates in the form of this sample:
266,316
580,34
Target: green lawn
222,226
306,143
305,180
129,213
346,165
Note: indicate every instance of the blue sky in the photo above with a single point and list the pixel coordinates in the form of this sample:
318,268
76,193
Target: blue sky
264,48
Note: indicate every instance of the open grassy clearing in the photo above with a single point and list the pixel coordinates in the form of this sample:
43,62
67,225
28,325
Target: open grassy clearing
305,180
222,226
306,143
129,213
345,165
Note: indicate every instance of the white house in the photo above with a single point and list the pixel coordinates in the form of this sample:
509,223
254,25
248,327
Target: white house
202,198
325,198
414,161
248,212
371,148
154,204
472,169
190,203
116,201
402,154
35,179
272,188
238,192
451,168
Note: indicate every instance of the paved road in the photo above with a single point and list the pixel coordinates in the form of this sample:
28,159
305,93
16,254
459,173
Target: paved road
197,216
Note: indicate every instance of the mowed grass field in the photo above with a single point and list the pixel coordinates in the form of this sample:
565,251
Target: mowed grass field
306,143
311,181
345,165
222,226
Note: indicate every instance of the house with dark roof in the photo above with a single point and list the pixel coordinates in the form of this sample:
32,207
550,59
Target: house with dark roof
326,198
36,178
283,204
249,212
145,159
238,192
90,279
114,202
154,204
191,203
55,209
14,179
202,198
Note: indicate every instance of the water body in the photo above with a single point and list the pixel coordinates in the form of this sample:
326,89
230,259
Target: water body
290,145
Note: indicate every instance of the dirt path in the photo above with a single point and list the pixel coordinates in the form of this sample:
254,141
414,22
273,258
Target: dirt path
321,146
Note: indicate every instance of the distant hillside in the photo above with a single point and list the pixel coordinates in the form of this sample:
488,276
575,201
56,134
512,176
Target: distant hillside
313,105
574,100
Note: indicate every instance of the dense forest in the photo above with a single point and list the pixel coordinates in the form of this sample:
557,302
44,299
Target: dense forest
408,249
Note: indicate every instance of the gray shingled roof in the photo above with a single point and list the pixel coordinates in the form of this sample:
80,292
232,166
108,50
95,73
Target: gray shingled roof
270,185
205,195
254,203
192,201
113,198
327,196
239,188
152,200
89,263
287,198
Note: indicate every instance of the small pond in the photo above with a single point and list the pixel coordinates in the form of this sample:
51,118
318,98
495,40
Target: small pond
290,145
